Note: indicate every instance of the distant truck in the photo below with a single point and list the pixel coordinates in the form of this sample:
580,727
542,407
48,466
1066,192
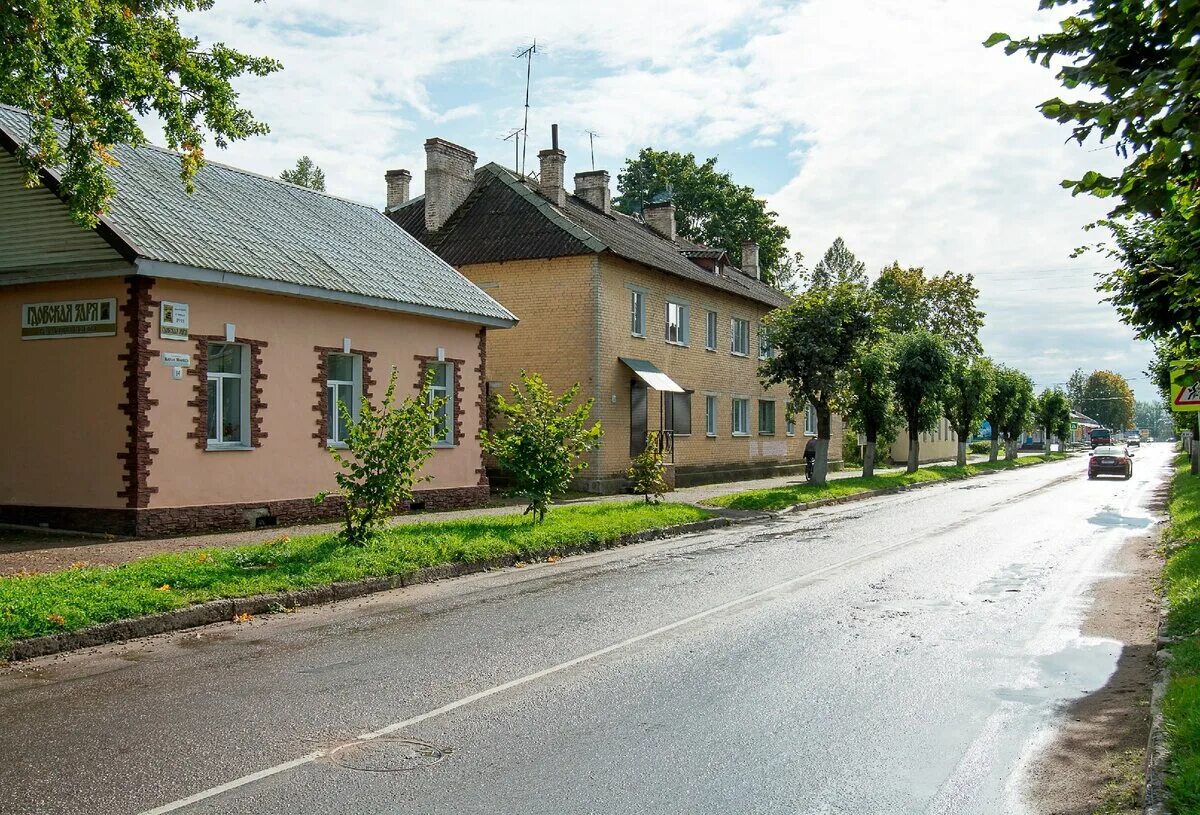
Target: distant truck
1144,433
1100,437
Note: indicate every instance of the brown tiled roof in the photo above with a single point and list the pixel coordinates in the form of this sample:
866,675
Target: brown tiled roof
505,218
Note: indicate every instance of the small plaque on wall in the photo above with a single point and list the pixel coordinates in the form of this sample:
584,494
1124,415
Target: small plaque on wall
173,321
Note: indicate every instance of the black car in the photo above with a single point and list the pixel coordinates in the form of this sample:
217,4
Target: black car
1110,461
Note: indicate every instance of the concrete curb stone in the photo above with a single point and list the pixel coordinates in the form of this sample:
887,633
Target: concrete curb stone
216,611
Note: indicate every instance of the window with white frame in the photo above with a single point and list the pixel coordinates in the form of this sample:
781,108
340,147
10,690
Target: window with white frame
810,420
228,395
343,386
677,323
441,386
637,313
739,336
710,414
740,416
765,351
790,424
710,331
766,417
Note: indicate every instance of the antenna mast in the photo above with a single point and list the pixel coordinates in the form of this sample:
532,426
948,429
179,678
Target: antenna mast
527,54
592,134
515,135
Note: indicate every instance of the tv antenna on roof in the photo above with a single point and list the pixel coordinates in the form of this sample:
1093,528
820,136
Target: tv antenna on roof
527,55
592,134
515,135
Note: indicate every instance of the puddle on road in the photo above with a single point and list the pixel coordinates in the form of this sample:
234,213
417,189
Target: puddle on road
1012,580
1080,668
1111,519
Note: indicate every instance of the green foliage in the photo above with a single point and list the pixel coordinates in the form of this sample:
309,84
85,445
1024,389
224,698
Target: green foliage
385,449
1053,413
839,265
1108,399
943,305
541,444
979,448
87,596
87,70
922,374
869,399
1075,385
1152,416
710,208
969,390
306,174
815,337
646,472
1008,411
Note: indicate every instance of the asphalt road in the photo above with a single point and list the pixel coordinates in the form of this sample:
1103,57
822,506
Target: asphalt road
900,655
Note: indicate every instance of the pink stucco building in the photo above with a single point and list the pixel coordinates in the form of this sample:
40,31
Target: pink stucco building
176,368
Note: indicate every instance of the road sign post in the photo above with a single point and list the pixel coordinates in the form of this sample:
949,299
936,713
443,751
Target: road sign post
1185,397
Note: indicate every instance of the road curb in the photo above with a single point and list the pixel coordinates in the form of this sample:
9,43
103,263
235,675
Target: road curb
216,611
1154,795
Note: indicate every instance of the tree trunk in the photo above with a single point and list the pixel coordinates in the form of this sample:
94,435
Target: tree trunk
1046,442
962,450
821,465
914,448
1010,449
994,453
869,456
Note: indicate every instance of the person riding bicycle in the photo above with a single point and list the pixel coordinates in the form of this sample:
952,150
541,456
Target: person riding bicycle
810,456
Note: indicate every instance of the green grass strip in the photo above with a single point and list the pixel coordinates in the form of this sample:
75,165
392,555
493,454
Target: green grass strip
38,604
1181,704
784,497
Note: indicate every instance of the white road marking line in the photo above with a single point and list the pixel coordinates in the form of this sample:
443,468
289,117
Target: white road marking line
533,677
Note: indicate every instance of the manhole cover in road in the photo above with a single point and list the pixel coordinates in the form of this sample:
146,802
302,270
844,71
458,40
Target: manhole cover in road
388,755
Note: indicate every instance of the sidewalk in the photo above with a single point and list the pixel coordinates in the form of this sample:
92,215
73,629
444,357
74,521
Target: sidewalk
33,551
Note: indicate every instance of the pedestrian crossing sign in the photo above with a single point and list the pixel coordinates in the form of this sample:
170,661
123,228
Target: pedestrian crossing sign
1185,384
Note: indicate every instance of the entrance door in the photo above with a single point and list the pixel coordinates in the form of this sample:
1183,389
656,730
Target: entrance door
637,417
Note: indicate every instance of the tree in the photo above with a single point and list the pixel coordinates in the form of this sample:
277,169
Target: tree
943,305
1003,402
815,338
86,71
646,471
710,208
789,273
1108,399
839,265
1151,416
869,401
385,449
923,363
1020,414
969,390
1053,413
1075,385
543,441
306,174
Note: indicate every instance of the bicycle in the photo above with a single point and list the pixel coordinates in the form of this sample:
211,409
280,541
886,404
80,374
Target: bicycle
808,468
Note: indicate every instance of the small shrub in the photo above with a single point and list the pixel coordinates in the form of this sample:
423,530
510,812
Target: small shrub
646,472
980,448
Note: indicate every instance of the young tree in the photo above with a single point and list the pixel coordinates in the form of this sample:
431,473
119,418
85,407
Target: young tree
815,338
839,265
870,403
646,471
922,370
306,174
1075,386
969,390
86,71
1053,411
789,273
1108,399
385,450
710,208
1020,414
543,440
1000,406
944,305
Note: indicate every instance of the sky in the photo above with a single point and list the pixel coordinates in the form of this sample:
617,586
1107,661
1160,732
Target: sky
887,124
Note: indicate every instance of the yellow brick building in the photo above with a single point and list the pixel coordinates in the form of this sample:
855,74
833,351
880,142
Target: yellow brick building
614,303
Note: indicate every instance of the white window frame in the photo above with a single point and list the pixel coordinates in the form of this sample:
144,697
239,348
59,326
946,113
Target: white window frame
710,415
744,403
215,380
637,312
789,425
683,316
810,420
446,391
734,324
765,350
710,330
355,383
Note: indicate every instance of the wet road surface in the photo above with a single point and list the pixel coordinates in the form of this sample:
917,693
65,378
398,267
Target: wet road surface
899,655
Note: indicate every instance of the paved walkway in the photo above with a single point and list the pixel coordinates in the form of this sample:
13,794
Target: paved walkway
28,551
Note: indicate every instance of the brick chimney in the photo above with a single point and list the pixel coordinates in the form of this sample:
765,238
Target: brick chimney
550,178
750,259
592,187
449,179
398,182
661,218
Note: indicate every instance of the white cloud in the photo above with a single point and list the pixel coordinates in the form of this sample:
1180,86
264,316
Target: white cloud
906,137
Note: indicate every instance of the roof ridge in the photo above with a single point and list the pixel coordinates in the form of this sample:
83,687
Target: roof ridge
209,163
551,212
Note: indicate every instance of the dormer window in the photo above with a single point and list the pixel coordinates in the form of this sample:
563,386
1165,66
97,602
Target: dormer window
717,268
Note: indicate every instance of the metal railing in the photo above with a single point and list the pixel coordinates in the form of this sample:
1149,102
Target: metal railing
666,444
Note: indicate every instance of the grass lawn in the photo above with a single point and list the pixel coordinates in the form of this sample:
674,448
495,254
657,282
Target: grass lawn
33,605
784,497
1181,705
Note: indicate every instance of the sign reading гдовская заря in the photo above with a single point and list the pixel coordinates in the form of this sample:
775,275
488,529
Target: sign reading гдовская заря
69,318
